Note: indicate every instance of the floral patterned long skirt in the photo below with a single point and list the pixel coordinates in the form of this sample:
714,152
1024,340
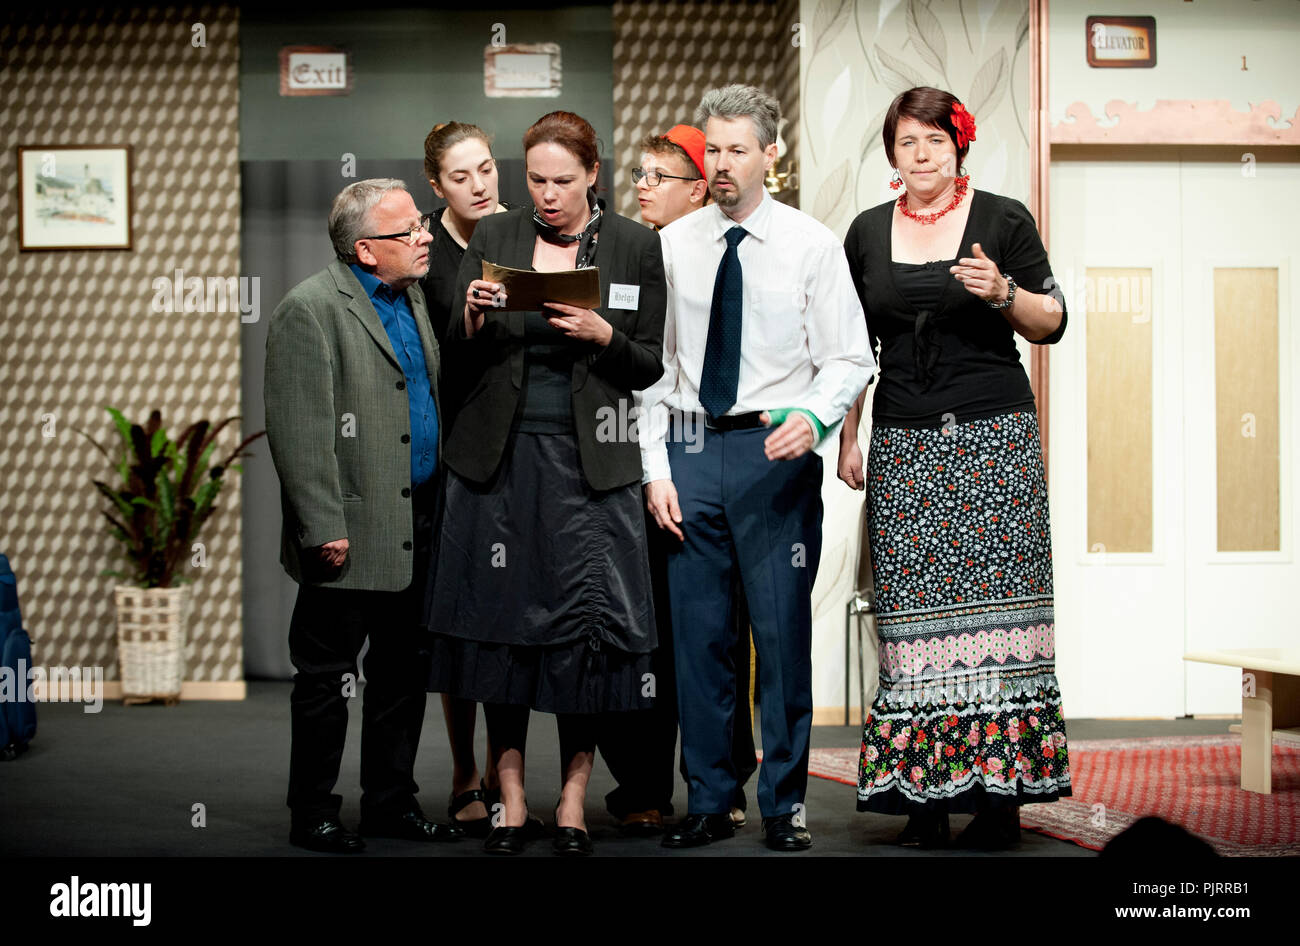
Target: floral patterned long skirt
968,712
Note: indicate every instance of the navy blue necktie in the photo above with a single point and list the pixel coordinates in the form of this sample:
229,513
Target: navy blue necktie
721,373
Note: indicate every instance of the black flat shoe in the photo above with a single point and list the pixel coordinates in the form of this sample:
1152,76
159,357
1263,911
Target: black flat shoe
410,826
535,826
782,834
507,840
326,836
925,830
992,830
474,827
699,830
571,842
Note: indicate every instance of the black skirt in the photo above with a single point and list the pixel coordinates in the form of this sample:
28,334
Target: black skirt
541,589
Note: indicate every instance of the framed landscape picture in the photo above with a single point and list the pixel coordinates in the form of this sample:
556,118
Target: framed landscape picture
74,197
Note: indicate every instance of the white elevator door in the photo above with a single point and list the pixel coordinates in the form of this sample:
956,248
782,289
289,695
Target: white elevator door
1199,501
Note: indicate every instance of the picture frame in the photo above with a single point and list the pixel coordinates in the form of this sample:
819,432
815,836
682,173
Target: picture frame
74,197
522,70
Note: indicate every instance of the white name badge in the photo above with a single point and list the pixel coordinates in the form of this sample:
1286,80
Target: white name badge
624,297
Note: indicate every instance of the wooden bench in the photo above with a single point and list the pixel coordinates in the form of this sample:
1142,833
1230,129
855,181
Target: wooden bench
1270,705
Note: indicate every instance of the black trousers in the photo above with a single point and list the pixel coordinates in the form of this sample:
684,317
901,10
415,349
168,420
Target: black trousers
326,632
638,746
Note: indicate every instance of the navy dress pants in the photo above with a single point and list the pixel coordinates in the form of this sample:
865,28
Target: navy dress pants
744,513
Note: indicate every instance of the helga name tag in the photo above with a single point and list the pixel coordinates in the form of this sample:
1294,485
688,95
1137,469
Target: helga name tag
624,297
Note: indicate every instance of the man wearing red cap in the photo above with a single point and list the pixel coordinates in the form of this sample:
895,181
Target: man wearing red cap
670,182
639,747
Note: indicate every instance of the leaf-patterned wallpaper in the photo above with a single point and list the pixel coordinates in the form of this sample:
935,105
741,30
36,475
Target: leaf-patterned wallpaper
858,55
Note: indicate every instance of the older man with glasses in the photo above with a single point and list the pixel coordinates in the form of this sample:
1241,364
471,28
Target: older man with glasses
353,425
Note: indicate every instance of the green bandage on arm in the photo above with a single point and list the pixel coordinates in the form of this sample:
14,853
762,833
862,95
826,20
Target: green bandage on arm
779,415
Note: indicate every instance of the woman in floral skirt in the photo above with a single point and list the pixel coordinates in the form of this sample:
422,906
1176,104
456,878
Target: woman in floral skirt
968,715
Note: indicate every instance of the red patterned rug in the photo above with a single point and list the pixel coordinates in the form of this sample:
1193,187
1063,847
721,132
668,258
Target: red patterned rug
1193,781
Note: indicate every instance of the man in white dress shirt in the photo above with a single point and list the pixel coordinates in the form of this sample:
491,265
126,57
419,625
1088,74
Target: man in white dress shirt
763,330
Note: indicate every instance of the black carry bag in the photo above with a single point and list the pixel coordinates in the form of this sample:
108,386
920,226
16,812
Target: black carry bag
17,712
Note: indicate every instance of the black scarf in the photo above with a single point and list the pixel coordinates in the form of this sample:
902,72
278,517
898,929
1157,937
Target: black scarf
586,240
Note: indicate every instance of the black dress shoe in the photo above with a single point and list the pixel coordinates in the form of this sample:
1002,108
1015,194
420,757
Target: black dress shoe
699,830
782,834
326,836
410,826
507,840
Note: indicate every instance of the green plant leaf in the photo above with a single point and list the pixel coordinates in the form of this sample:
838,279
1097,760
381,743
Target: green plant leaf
123,425
203,499
157,442
122,504
166,502
205,460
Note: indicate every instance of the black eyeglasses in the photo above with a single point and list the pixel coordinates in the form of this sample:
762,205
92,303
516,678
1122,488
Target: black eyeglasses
410,236
654,176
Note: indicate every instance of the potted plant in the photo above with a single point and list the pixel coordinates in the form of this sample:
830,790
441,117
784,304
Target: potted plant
166,489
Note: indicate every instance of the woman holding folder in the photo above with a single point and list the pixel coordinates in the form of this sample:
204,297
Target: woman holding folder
541,595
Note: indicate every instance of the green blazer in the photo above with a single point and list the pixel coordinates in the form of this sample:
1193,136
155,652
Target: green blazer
338,424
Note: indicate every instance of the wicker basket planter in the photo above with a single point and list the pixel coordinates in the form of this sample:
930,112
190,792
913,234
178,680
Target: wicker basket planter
151,626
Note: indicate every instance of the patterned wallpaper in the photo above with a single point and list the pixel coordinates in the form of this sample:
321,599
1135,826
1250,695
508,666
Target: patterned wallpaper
666,55
78,328
856,55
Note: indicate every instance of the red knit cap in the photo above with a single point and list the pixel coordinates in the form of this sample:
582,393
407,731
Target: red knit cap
691,140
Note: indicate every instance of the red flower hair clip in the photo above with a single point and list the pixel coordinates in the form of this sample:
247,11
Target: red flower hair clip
964,123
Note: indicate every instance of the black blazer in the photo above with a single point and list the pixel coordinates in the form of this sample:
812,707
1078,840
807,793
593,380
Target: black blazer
493,360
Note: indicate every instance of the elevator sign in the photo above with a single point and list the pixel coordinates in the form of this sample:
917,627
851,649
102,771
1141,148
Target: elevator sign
1121,42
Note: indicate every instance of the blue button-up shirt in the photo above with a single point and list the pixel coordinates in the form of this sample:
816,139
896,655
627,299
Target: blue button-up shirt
394,311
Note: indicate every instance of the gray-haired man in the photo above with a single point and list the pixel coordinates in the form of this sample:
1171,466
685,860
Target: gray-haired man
352,421
763,330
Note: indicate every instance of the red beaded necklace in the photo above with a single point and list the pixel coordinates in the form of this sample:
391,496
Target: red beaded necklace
958,194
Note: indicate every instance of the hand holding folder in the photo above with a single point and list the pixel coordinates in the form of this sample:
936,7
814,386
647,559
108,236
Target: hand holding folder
526,290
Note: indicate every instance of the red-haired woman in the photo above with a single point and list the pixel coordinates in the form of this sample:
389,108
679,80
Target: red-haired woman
968,714
541,594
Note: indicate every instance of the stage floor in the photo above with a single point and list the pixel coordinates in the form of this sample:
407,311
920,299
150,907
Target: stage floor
124,782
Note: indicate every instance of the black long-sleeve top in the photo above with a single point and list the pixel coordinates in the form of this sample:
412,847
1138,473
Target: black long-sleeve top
952,355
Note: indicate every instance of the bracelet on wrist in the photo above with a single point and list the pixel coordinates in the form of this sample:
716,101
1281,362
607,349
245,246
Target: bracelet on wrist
1011,295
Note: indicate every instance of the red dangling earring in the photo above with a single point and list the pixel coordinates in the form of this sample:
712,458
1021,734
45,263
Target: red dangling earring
897,182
